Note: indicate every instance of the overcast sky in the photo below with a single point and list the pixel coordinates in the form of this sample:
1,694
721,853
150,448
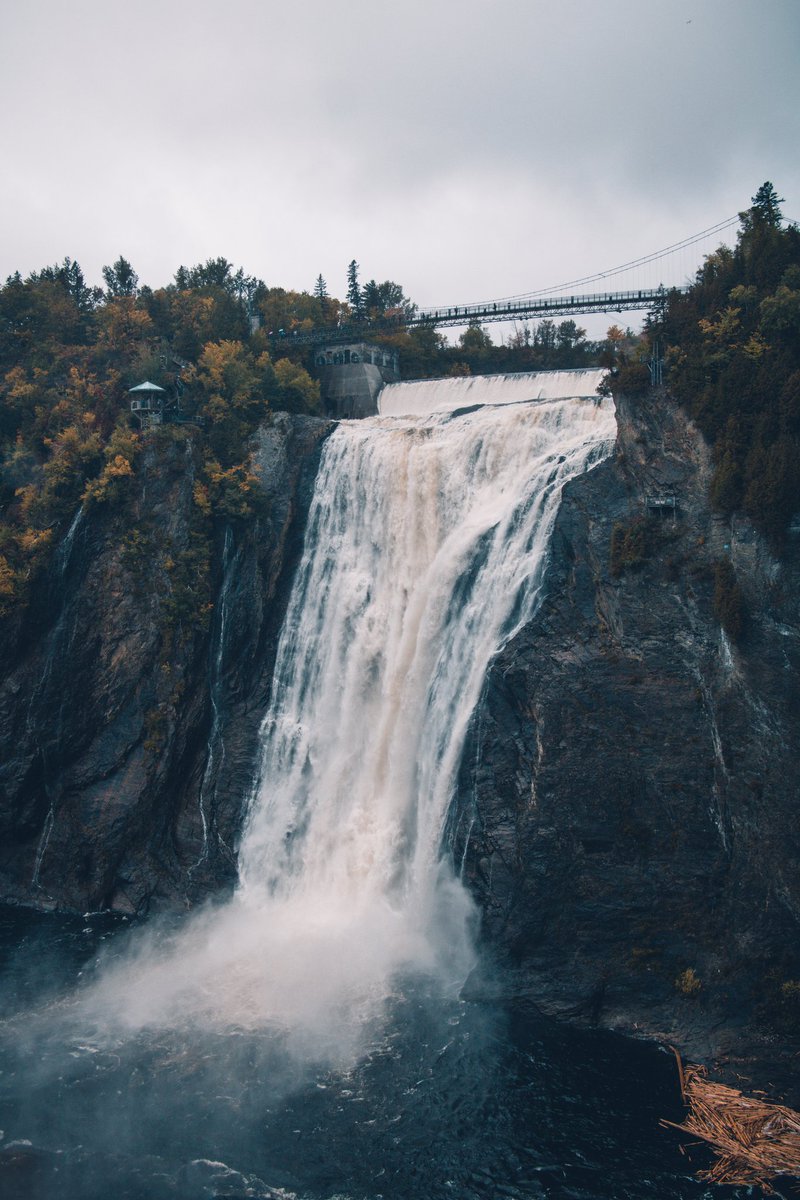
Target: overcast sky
469,149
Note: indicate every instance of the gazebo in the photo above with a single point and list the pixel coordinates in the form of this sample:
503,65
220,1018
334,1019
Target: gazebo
147,404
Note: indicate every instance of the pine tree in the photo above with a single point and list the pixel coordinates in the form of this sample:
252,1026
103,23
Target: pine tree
121,279
354,298
371,299
765,210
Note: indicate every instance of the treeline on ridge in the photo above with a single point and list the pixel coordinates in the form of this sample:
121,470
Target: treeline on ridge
732,353
220,343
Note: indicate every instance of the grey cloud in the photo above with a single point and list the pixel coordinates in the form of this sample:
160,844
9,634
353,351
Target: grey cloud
452,145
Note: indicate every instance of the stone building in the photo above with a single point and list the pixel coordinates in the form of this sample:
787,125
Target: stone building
351,376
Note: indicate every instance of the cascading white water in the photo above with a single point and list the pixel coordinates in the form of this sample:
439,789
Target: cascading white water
425,551
461,391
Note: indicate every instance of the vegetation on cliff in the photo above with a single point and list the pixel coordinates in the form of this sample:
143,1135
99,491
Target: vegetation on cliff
68,355
69,352
733,358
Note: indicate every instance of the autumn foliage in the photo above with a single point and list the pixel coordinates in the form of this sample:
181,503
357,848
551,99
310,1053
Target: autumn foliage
733,358
70,352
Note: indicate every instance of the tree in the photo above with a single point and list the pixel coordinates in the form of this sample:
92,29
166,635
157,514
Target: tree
215,272
732,351
545,340
371,300
766,206
321,295
69,276
72,278
354,298
393,300
475,341
232,390
296,390
570,341
121,279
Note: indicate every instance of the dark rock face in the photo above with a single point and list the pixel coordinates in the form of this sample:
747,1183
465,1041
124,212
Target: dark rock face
128,735
632,779
627,806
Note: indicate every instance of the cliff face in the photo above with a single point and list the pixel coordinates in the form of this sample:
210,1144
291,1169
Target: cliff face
130,706
627,803
632,777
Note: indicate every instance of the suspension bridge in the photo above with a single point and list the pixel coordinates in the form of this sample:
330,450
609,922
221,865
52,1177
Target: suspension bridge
636,286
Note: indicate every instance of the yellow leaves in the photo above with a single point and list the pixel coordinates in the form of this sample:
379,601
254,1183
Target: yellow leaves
122,323
299,390
743,297
8,583
118,468
755,347
18,388
106,486
227,372
193,312
725,328
202,498
27,497
216,359
688,982
27,549
216,410
34,541
71,450
124,442
232,492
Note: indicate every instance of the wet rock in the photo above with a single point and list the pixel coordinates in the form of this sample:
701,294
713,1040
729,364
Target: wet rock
631,780
128,734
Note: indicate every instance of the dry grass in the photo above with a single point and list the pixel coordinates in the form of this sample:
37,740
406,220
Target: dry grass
753,1141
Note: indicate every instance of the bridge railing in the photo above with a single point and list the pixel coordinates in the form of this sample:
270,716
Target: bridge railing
540,306
629,301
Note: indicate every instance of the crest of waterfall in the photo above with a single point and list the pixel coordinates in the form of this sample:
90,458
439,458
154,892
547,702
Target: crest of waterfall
462,391
425,551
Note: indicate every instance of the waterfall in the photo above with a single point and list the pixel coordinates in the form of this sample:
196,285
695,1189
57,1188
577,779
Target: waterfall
425,551
462,391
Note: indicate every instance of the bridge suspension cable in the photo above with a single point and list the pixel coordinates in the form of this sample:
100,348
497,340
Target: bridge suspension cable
559,300
644,260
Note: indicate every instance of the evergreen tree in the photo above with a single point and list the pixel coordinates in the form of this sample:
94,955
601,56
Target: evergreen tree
733,357
766,205
121,279
354,297
372,300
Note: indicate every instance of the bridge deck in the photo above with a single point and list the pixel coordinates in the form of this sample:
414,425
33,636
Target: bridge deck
548,306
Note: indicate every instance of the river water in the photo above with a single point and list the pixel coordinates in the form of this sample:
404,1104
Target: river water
464,1099
334,1028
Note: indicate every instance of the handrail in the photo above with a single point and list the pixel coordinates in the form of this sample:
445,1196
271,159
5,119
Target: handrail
550,306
